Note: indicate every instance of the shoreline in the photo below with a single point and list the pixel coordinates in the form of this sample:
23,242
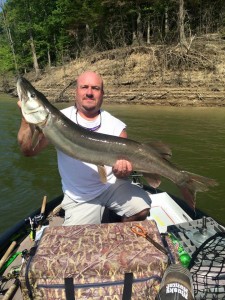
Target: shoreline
150,75
156,103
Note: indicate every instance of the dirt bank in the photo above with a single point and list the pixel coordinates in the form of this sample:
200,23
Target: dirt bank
149,75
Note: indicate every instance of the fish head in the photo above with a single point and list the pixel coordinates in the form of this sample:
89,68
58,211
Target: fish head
32,103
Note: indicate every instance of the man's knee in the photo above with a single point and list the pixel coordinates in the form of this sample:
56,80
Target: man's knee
141,216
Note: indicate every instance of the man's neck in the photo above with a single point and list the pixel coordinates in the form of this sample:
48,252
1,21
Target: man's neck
88,115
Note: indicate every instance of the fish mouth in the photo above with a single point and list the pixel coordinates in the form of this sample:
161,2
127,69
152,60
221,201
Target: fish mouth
29,103
27,96
19,91
32,109
23,91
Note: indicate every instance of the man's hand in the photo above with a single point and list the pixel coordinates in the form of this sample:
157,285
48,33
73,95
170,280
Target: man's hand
122,168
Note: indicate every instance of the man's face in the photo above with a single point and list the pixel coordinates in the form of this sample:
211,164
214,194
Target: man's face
89,92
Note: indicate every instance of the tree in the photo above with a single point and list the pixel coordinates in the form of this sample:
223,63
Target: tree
46,32
28,21
5,24
182,38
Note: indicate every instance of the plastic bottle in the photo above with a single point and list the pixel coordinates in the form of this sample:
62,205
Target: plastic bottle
184,257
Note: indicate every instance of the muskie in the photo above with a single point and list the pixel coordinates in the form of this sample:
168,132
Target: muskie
102,149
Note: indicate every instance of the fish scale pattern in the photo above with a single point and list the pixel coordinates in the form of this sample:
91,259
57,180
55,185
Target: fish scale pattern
97,258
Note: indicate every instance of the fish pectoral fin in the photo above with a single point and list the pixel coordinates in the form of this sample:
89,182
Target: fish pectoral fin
154,180
35,137
163,149
102,173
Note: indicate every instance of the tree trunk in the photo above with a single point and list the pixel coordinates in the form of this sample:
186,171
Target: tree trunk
134,34
148,32
9,36
87,37
139,27
182,38
49,58
32,44
34,55
166,21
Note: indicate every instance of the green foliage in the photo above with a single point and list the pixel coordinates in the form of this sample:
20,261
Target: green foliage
6,60
56,31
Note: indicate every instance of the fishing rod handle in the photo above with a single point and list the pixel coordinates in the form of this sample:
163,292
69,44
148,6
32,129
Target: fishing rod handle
7,253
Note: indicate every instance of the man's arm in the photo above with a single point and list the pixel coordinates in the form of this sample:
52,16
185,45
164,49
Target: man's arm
122,168
24,138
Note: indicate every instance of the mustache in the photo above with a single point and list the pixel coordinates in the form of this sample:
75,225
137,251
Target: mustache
91,97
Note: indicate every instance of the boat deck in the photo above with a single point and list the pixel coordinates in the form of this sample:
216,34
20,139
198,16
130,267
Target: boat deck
169,216
12,284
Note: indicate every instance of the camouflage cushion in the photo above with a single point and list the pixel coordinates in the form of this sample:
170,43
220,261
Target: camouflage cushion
96,257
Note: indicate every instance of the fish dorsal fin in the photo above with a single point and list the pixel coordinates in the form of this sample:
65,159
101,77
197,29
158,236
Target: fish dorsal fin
161,148
102,173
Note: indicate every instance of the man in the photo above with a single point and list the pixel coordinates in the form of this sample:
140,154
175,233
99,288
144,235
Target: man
85,195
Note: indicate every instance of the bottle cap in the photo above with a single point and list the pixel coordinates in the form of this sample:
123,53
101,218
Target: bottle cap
185,259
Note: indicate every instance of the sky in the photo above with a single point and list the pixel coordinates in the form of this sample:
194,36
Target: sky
1,3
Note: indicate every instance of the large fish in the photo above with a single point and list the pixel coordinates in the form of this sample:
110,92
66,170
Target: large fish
103,149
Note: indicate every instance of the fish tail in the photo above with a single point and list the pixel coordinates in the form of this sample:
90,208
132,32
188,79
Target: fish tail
193,183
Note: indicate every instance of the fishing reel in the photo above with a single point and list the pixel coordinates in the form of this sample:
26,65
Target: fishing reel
34,224
36,220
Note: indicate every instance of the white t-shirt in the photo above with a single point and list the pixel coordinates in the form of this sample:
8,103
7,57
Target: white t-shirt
80,180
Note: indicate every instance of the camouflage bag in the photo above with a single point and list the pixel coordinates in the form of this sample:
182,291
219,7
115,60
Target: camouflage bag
106,261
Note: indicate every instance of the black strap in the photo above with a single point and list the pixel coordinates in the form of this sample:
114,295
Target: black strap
127,289
69,288
169,252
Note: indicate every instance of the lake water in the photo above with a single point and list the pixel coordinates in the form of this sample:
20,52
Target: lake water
195,135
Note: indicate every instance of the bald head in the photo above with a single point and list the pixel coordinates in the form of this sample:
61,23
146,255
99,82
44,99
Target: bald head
90,76
89,94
